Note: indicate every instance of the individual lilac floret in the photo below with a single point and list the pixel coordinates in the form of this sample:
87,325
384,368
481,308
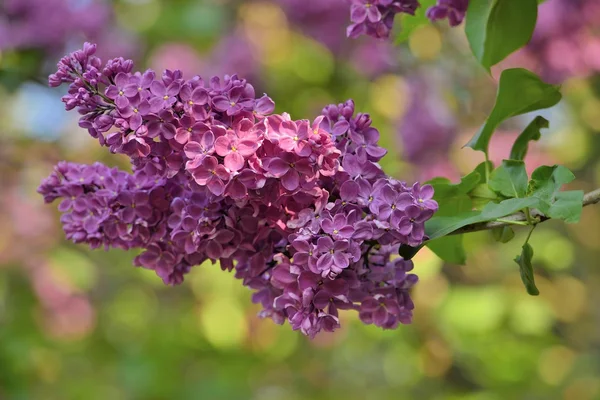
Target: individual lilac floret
300,210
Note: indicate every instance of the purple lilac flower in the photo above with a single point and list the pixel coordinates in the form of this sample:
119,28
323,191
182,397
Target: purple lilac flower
453,10
376,17
299,210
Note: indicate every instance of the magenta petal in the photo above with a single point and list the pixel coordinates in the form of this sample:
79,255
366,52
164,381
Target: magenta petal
346,231
380,316
405,227
327,225
426,192
337,287
158,88
182,136
321,299
349,191
404,200
340,127
216,186
373,14
303,149
358,13
234,161
221,103
278,167
208,140
224,236
214,250
340,259
192,149
112,92
325,262
308,280
236,189
376,151
301,245
291,180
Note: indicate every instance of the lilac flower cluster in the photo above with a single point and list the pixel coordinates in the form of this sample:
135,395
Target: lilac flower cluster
300,210
376,17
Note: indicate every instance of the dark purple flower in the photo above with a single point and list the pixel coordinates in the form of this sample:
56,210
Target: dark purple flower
454,10
290,169
338,227
424,195
162,124
334,256
211,174
391,202
164,96
232,102
116,92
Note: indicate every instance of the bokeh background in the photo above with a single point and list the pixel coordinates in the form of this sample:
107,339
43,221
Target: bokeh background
77,324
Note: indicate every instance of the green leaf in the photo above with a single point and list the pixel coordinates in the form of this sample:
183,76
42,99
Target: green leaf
510,179
494,211
408,23
526,269
439,226
547,180
519,92
530,133
567,206
503,234
449,249
496,28
453,200
482,195
444,189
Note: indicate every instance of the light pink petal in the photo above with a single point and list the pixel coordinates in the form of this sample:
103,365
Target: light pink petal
222,146
234,161
246,148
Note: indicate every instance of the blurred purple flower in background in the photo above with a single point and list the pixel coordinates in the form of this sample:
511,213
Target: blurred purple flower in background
566,41
322,20
427,128
49,24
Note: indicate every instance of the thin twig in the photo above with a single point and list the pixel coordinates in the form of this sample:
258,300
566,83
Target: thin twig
590,198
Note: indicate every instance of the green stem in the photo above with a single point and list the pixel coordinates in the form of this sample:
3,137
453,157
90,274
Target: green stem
507,221
530,232
487,167
528,216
